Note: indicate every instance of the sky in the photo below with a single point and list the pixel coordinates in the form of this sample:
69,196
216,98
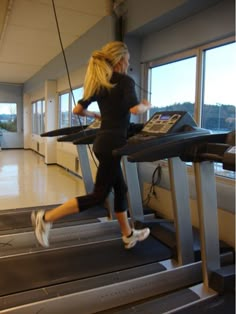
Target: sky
175,82
7,108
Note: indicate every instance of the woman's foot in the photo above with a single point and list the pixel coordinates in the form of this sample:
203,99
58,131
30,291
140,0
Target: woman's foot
136,236
42,228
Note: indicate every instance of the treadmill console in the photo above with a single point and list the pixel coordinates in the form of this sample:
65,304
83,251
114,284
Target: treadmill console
161,123
165,122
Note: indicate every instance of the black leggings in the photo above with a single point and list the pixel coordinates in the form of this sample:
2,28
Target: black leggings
109,175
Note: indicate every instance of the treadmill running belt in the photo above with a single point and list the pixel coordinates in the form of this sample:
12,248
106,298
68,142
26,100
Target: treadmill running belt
25,272
161,304
17,220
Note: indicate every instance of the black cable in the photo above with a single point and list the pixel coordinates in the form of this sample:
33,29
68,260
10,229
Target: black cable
63,52
68,73
143,89
155,182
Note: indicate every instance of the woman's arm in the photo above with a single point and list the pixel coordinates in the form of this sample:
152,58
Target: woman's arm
80,111
141,108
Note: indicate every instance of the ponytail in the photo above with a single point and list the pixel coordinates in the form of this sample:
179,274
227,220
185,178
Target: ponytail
100,68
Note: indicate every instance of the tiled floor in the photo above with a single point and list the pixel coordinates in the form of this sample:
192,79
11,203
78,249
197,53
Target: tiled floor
26,181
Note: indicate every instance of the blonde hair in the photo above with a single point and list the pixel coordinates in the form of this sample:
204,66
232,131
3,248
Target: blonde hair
100,67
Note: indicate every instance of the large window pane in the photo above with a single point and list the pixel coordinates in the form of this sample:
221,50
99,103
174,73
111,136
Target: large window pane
39,116
38,113
8,117
219,101
64,110
173,86
34,118
43,116
77,94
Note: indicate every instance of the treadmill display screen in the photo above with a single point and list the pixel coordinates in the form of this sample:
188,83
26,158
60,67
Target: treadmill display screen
164,118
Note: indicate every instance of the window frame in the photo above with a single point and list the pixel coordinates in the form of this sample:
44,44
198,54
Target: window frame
9,103
168,60
82,120
38,125
199,53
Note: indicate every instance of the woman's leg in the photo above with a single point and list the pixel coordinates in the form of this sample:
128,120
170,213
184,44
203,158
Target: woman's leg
124,223
68,208
42,220
130,236
105,179
120,199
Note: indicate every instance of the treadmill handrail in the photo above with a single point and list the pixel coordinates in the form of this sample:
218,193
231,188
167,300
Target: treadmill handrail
132,148
85,140
64,131
175,147
88,136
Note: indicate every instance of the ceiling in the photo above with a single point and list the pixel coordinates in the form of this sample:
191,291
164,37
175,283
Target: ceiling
28,29
28,32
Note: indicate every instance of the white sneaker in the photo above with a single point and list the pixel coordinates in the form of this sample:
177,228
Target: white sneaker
138,235
42,228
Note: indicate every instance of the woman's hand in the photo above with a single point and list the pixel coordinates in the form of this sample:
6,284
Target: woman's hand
141,108
97,115
80,111
146,103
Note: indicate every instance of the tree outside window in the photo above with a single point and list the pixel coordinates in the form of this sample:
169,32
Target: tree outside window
8,117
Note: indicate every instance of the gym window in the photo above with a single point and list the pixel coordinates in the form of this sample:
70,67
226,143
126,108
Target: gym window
38,114
173,86
200,81
67,101
219,76
8,117
65,110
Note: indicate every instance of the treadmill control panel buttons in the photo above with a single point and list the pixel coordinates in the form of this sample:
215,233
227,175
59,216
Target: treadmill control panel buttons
161,123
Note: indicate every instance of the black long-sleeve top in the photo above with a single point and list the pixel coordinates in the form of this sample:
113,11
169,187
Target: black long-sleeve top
114,107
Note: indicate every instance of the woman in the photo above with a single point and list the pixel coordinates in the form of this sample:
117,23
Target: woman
107,82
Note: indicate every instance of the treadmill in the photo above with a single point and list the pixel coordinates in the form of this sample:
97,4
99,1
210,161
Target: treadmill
216,294
92,277
164,127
